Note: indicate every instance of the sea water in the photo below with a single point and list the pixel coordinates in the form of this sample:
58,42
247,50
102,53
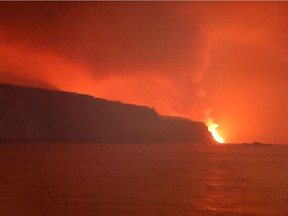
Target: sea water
168,179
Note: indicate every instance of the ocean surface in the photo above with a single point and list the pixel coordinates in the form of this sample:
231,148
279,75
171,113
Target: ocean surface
142,179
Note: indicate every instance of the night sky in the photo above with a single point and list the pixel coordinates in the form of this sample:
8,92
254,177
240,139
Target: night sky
222,60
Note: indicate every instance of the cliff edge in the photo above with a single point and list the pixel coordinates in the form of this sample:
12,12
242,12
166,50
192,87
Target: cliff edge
32,114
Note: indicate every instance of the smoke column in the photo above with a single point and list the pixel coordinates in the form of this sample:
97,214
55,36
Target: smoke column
117,51
174,56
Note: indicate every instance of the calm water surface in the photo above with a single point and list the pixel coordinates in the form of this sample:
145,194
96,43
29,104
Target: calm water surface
142,179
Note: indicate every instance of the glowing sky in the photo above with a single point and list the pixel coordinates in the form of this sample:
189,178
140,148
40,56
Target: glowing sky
228,59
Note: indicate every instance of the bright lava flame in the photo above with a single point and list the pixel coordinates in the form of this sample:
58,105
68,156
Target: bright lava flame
212,128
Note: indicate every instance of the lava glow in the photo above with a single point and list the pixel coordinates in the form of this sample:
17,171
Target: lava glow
212,127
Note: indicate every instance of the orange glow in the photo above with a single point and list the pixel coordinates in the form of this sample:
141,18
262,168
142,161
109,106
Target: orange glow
190,57
212,127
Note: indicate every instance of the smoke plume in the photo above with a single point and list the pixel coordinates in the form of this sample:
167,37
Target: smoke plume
174,56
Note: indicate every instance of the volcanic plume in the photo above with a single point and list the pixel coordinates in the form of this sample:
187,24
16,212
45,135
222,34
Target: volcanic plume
182,58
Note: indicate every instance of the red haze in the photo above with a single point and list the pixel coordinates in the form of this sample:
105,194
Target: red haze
174,56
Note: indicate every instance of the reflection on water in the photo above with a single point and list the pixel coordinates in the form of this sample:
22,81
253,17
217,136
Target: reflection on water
241,181
142,179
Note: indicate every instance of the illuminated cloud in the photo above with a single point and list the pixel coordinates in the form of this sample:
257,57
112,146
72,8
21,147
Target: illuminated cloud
174,56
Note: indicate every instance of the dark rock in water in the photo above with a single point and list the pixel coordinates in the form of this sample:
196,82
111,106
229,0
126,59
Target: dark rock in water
260,144
256,144
33,114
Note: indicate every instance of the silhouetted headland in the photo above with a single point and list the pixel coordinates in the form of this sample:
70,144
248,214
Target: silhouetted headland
32,114
13,79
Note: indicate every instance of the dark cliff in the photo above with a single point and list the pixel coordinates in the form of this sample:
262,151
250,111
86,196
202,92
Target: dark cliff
31,114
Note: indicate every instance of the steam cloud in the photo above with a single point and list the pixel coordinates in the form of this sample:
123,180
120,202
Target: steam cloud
154,54
143,53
